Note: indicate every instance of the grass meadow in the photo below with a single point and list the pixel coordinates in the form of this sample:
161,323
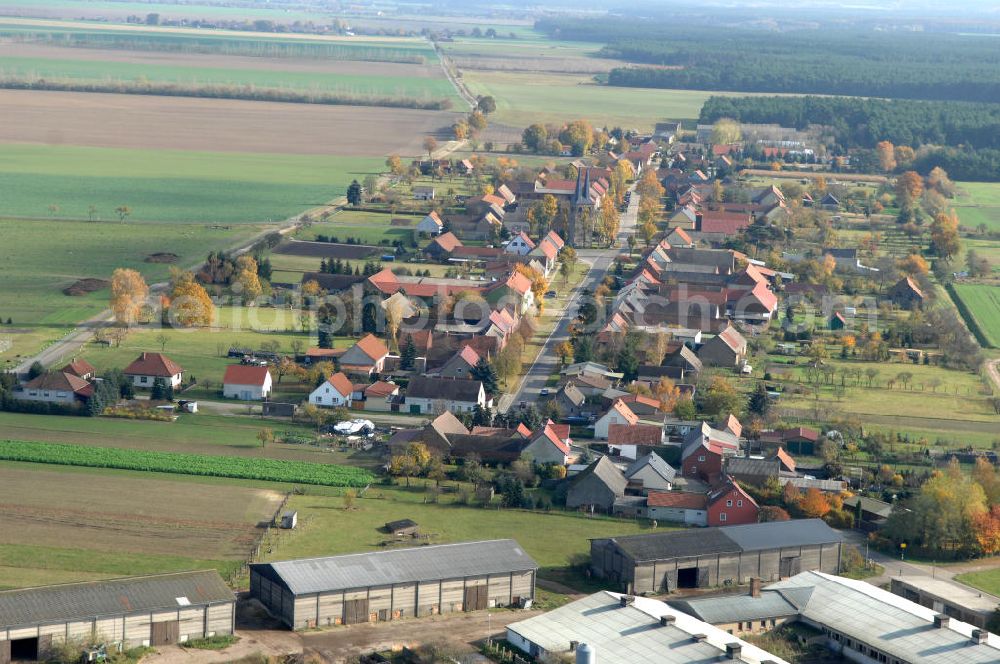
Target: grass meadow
92,8
983,302
524,98
42,257
987,580
171,185
979,203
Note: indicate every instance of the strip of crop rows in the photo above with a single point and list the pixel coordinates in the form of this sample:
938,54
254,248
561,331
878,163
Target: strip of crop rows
298,472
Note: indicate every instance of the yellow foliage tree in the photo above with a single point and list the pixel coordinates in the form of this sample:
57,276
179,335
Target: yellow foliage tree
128,293
246,277
189,303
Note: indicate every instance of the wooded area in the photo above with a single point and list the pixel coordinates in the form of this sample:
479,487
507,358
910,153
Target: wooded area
827,61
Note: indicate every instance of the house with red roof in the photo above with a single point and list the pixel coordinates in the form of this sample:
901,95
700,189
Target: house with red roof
678,507
458,365
728,348
335,391
546,252
365,357
755,307
58,387
515,291
149,366
722,223
441,247
730,505
520,245
547,446
678,237
431,224
380,395
81,369
246,382
906,294
619,413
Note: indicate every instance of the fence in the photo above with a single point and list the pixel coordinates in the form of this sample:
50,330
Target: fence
263,542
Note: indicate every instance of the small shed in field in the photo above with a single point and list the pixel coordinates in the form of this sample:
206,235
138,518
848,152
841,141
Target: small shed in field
139,611
399,583
289,520
402,527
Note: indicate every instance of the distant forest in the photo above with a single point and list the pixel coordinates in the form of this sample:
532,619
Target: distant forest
861,123
935,66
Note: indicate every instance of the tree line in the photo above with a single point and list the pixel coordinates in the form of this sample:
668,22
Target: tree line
827,61
962,138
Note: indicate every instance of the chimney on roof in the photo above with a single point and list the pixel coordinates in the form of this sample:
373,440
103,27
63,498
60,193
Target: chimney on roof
941,621
733,650
573,645
667,620
625,600
979,636
755,585
699,637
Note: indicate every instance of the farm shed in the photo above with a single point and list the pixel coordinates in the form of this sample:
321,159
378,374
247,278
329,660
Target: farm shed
664,562
389,585
143,610
402,527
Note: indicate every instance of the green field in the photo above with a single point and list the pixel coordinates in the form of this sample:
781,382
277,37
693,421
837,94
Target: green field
987,580
74,8
979,203
41,257
552,539
524,98
983,302
171,185
355,85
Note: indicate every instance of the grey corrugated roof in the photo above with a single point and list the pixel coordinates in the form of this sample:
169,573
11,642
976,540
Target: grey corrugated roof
83,601
676,544
729,539
743,466
773,534
724,609
383,568
606,472
654,461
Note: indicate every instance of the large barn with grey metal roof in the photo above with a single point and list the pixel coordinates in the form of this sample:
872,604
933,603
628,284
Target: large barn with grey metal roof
703,558
136,611
389,585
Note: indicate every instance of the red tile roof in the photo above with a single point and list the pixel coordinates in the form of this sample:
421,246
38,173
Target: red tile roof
341,383
561,430
380,389
635,434
644,400
372,346
79,368
732,338
729,223
61,381
519,283
556,239
786,460
324,352
553,438
679,232
153,364
447,241
622,410
523,429
470,356
527,240
680,499
245,374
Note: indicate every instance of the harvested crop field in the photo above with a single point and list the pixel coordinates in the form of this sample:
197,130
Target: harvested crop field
223,125
51,535
84,286
160,59
325,250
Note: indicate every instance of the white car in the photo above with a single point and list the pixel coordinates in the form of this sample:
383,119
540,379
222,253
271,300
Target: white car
747,369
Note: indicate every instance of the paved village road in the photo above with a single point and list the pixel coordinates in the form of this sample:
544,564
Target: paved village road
546,362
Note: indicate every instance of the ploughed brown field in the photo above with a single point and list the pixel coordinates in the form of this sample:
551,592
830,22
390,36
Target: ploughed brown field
213,125
314,65
112,512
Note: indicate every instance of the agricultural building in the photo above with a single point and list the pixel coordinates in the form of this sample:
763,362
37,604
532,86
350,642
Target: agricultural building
389,585
137,611
704,558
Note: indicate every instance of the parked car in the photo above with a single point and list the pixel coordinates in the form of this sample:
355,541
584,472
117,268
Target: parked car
544,392
550,294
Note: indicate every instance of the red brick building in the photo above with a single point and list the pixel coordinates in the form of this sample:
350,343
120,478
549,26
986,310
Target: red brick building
730,505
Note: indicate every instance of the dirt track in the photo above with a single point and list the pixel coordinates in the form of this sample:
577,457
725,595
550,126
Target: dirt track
180,123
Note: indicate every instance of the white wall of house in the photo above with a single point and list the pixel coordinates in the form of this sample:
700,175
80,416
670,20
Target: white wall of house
247,392
422,406
518,247
146,382
602,425
327,395
49,396
651,479
678,515
429,226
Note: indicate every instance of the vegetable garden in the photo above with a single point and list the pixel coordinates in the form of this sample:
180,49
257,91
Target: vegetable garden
299,472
